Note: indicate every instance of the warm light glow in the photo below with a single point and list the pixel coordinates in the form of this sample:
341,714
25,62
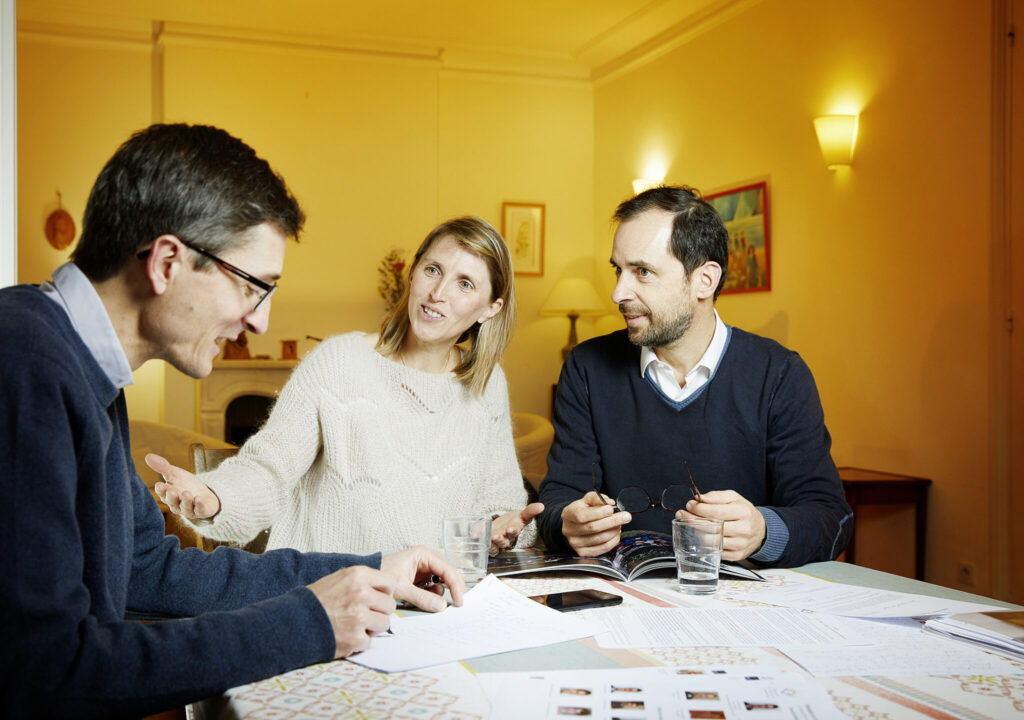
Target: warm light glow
573,296
641,184
837,135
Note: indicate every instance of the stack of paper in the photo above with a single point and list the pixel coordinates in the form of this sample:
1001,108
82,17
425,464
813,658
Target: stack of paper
1000,631
493,619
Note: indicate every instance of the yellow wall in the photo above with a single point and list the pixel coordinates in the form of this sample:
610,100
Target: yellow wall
880,272
78,99
519,141
378,148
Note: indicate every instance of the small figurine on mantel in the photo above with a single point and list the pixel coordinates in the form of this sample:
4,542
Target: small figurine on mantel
237,349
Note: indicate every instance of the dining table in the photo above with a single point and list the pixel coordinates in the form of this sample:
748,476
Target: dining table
344,689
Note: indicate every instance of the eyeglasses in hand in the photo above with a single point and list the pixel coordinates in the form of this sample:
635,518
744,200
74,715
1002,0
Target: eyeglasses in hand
634,499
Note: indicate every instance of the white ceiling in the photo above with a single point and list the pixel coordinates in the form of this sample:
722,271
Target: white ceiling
585,39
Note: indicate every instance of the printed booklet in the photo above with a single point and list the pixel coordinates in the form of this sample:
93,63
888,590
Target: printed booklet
639,553
1000,631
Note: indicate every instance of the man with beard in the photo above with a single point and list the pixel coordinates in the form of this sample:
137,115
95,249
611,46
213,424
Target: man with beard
679,395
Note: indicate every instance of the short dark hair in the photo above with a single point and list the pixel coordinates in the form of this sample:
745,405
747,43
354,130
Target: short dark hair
196,182
698,233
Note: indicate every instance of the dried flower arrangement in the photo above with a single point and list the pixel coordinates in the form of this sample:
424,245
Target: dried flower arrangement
392,280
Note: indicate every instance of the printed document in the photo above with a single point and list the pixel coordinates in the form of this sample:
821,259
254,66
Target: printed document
863,602
634,627
662,692
493,619
916,655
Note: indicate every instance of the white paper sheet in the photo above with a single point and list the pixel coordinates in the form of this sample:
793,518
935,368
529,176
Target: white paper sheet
493,619
668,693
919,655
733,627
999,632
856,601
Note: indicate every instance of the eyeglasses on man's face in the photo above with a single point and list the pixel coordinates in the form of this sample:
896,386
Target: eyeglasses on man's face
256,290
634,499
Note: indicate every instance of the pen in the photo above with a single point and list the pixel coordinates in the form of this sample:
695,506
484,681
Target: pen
434,580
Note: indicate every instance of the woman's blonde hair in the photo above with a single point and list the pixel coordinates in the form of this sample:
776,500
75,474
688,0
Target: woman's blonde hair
487,340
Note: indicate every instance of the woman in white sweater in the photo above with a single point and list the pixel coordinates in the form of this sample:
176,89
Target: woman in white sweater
376,438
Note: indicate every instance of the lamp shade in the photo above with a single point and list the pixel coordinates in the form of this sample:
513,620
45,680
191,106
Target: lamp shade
573,296
837,135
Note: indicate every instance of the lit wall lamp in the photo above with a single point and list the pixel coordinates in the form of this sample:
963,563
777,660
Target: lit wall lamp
641,184
573,297
837,135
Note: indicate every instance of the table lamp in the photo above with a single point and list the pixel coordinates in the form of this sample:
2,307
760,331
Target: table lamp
573,297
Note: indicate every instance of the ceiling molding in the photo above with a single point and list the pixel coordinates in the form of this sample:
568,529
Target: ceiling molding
658,27
139,37
178,33
676,35
546,66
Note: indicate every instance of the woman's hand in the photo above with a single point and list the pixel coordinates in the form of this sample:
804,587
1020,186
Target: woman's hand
183,492
505,528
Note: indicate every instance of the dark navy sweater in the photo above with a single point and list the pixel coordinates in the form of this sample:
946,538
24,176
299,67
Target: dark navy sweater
82,540
756,427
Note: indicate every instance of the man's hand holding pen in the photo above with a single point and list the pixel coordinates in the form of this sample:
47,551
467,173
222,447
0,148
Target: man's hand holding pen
415,569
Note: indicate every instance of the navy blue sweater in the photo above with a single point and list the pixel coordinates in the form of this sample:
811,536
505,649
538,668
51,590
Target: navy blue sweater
756,427
82,541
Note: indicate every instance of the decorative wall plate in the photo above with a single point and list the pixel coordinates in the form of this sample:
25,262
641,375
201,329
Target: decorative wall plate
60,228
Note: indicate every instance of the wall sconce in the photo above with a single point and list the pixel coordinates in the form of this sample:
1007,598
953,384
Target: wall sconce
641,184
573,297
837,135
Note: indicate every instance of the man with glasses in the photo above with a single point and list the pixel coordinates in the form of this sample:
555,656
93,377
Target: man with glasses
172,219
680,415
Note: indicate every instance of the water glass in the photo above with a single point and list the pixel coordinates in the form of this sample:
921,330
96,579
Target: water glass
698,547
466,544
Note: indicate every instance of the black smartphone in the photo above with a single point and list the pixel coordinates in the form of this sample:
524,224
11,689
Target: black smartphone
577,600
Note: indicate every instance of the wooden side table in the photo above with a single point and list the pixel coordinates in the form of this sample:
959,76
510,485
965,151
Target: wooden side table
872,487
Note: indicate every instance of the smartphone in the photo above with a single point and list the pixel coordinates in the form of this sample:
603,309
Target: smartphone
577,600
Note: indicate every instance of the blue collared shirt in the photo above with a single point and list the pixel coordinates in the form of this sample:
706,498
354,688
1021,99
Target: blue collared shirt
71,289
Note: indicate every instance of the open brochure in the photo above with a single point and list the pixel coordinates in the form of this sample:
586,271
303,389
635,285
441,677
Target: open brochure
639,553
1000,631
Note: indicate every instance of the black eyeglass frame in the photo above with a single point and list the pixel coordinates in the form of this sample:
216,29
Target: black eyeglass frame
266,287
617,503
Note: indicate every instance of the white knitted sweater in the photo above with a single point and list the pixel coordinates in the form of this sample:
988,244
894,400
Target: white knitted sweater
362,454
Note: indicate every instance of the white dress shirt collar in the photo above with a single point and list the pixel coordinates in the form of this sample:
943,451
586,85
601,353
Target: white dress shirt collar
664,377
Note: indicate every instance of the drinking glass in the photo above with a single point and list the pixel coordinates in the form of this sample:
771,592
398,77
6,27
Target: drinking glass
466,542
698,547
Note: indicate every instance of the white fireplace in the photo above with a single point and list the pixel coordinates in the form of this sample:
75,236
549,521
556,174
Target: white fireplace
232,379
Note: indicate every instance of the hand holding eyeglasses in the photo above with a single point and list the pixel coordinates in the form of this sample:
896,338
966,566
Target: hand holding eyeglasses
744,525
591,524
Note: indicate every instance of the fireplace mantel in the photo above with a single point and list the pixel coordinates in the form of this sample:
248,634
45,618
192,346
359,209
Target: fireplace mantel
234,378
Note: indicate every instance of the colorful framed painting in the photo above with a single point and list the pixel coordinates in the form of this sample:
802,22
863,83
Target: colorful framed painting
522,226
745,212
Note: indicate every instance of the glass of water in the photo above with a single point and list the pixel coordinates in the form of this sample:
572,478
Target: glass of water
466,542
698,547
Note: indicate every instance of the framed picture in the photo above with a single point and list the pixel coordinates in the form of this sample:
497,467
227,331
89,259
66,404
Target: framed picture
745,212
522,226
